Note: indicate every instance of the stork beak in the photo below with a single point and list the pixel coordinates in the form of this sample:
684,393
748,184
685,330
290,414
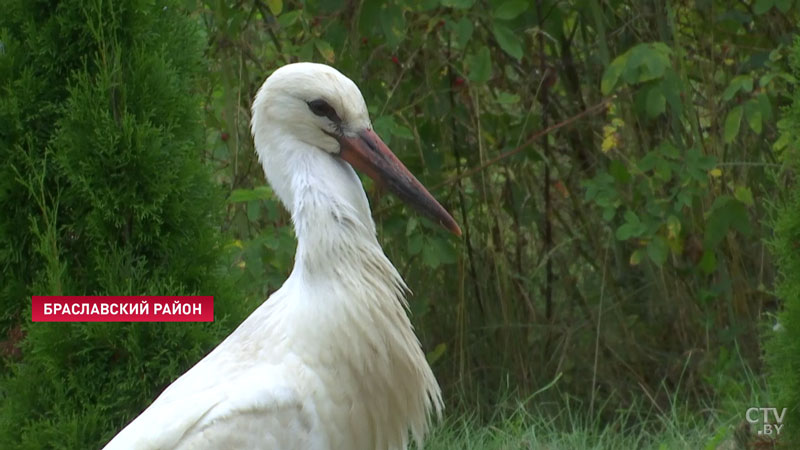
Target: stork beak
367,153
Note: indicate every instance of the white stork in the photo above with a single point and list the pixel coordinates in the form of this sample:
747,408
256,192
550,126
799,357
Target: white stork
330,361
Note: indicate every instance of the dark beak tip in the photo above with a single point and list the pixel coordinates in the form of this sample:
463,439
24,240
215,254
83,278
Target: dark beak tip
455,229
368,153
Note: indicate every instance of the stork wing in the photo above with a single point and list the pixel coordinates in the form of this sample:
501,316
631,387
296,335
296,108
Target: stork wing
163,424
277,420
253,410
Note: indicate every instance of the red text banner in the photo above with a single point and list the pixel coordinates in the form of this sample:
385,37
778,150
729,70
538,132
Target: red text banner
122,309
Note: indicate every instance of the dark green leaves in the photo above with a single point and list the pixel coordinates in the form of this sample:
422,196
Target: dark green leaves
727,213
290,18
393,23
762,6
510,9
643,62
658,250
463,31
434,249
783,5
507,40
480,65
387,126
755,109
732,123
612,74
633,227
275,6
742,83
754,116
656,101
438,251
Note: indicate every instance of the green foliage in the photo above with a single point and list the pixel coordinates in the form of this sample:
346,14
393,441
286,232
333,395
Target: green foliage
623,247
106,195
642,63
783,346
681,177
630,235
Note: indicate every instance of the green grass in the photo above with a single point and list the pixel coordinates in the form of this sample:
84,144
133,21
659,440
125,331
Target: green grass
718,424
571,429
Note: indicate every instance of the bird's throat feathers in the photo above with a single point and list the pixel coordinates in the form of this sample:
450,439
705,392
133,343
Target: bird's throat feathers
346,290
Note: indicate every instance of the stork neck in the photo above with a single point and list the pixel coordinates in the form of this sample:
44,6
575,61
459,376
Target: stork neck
343,288
330,212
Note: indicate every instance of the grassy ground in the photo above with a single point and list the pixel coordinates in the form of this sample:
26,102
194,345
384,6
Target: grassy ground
719,425
567,430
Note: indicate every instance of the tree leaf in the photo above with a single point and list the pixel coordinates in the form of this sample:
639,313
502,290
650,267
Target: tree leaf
415,244
442,249
324,48
744,195
624,232
508,41
732,123
762,6
632,227
646,62
673,227
726,213
619,171
656,102
753,113
411,225
480,65
511,9
387,125
658,250
612,74
430,257
783,5
754,120
289,19
463,29
636,257
507,98
253,210
742,83
306,51
393,23
708,262
275,7
764,105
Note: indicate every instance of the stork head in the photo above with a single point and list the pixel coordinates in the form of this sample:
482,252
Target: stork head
317,105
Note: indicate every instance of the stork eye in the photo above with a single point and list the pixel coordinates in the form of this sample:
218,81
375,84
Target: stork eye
323,109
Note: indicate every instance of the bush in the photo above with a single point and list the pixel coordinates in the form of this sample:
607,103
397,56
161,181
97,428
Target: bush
103,192
783,346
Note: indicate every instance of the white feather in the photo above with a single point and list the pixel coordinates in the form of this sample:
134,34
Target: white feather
330,360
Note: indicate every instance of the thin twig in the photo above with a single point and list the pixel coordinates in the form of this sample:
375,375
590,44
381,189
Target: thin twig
588,111
591,110
597,336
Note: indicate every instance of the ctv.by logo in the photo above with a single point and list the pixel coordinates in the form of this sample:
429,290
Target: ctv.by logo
767,427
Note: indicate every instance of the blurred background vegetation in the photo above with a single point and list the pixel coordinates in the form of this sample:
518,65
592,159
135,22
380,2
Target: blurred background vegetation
617,168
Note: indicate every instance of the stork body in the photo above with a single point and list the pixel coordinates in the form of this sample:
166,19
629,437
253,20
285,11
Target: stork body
330,360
